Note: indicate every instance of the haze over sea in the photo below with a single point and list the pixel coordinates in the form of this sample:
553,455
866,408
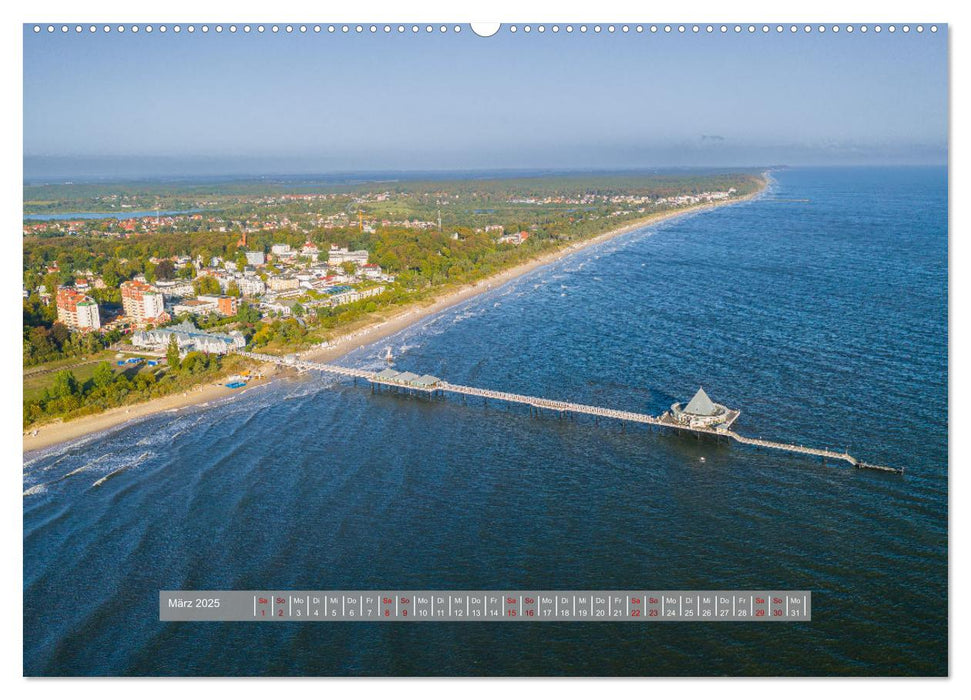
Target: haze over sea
824,321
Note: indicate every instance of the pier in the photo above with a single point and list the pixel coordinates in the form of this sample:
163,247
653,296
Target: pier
431,386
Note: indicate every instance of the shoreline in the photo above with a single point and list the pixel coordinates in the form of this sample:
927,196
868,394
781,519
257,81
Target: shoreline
56,433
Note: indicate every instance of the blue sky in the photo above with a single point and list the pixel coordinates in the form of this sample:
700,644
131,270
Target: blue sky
332,102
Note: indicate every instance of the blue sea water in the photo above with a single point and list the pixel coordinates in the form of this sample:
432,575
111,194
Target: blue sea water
824,321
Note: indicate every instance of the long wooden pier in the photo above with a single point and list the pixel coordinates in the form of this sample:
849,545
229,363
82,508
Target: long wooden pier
430,385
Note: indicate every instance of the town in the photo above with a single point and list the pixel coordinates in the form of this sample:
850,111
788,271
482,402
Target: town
278,271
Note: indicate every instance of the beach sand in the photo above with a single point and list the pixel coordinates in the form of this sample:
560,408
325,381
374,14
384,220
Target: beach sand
52,434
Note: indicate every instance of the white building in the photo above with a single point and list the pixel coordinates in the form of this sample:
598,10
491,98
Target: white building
336,256
251,286
354,295
189,339
255,257
77,311
174,288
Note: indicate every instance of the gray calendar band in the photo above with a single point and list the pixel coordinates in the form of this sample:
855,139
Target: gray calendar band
485,606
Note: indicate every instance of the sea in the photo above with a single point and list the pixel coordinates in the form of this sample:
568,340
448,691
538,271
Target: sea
819,310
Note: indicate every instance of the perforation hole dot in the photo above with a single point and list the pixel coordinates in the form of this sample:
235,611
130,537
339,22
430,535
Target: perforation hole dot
906,28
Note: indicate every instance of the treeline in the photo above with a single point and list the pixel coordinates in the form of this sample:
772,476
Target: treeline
46,340
68,397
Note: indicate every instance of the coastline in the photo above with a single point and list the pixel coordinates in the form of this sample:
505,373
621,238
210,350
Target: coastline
53,434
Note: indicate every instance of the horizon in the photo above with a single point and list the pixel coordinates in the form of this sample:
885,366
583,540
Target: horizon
377,176
126,105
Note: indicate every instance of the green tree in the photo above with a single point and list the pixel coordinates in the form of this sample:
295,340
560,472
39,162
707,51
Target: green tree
65,384
165,270
172,354
60,333
206,285
103,375
232,289
348,267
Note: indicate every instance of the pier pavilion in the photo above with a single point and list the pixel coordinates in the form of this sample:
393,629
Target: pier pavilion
702,412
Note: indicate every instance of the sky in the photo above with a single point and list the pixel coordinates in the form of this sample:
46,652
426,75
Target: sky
146,104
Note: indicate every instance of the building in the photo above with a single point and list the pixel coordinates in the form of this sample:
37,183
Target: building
174,288
194,306
514,238
250,286
336,256
143,303
224,305
280,249
77,311
255,257
189,339
354,295
310,250
702,412
282,284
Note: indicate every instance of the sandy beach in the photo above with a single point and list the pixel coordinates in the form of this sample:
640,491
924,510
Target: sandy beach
52,434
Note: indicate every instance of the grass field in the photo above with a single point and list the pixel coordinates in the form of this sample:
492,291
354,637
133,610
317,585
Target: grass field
38,378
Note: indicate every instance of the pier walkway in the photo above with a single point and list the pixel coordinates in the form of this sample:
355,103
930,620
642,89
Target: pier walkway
433,385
